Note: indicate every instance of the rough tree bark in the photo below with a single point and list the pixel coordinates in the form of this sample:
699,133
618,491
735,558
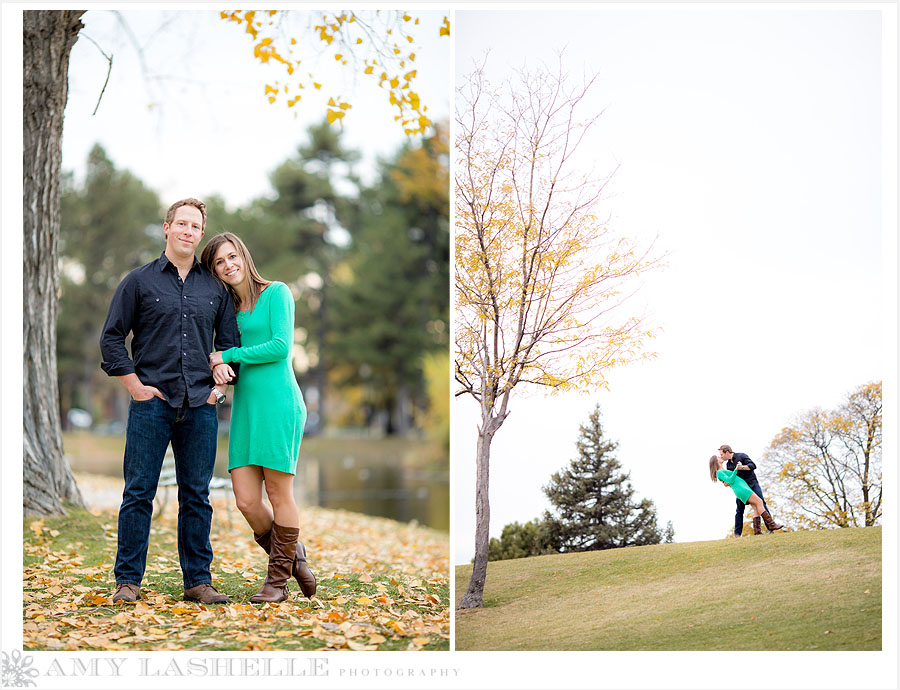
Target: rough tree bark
48,37
473,598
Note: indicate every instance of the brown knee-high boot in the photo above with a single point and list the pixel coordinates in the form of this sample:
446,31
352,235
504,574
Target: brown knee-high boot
300,569
771,525
283,546
757,527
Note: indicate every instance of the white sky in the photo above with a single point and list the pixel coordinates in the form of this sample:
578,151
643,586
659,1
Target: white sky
212,130
750,142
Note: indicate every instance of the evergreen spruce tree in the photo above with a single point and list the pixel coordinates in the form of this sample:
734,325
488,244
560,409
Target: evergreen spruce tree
594,501
669,535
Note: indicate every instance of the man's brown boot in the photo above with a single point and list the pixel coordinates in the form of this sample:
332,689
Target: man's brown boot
205,594
757,526
299,569
771,525
283,548
126,592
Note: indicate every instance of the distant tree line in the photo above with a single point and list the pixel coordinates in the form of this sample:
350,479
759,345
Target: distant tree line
594,507
368,265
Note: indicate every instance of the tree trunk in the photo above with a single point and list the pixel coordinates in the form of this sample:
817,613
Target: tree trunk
400,412
48,37
473,596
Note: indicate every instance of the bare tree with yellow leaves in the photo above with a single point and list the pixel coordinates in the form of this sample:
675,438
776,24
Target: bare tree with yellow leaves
825,468
540,282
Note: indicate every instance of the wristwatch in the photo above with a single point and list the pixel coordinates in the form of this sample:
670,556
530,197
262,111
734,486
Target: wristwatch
220,396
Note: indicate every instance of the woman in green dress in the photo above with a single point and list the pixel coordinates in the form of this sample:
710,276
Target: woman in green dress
717,472
267,416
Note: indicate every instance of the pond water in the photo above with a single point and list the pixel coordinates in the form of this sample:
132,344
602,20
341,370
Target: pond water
400,479
375,477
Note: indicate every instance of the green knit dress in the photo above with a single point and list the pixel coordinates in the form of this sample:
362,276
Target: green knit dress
268,413
741,489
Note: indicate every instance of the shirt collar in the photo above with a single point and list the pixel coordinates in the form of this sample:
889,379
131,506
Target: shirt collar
163,261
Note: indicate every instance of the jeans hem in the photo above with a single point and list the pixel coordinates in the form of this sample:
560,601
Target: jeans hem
197,584
127,582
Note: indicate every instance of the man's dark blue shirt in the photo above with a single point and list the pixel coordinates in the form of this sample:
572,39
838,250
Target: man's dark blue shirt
748,476
173,323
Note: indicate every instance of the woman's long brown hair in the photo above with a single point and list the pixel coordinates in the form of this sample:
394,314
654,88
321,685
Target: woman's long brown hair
713,467
257,282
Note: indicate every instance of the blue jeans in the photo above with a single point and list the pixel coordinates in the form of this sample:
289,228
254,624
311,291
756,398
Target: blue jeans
152,425
739,512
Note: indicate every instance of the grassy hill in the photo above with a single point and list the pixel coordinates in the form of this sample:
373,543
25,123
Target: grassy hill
796,591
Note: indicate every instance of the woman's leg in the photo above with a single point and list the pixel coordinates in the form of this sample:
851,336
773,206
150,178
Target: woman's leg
754,502
282,538
280,490
757,503
760,507
247,483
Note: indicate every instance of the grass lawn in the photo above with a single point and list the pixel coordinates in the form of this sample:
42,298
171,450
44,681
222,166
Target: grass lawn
816,590
382,585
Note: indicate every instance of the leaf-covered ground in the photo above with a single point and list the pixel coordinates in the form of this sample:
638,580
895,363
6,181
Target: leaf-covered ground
383,585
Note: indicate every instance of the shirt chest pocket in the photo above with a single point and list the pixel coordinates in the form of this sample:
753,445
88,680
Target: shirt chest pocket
160,309
201,310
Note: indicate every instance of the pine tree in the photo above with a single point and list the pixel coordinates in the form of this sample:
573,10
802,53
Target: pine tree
669,535
594,501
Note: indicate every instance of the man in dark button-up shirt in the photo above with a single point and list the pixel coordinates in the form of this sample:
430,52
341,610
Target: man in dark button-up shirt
173,322
746,473
177,313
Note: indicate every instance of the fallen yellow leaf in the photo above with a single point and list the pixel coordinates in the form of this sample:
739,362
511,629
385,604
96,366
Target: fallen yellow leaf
359,647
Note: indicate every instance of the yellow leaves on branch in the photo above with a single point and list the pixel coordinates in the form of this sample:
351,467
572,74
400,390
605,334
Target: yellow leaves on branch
360,42
539,279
